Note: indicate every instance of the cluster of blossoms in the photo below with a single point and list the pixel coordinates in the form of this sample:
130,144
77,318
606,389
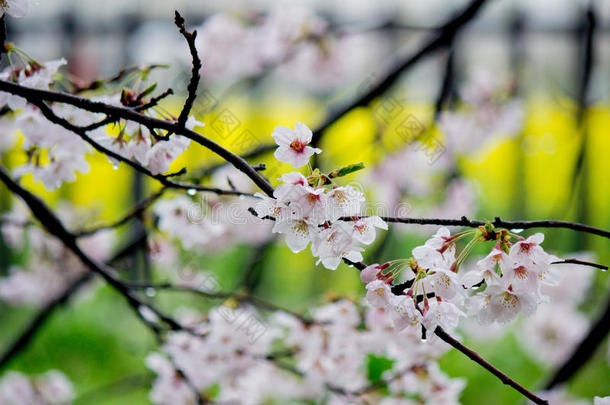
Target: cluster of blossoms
291,38
55,154
135,142
552,333
508,281
49,268
428,191
211,221
314,209
235,356
489,112
15,8
237,46
50,388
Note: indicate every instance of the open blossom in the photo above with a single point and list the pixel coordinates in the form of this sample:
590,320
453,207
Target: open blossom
163,153
369,274
184,219
15,8
441,313
404,313
293,145
487,269
499,302
363,229
50,388
307,214
36,75
335,243
298,232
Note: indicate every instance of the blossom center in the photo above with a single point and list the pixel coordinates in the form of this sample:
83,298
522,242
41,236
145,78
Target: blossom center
313,198
521,272
297,145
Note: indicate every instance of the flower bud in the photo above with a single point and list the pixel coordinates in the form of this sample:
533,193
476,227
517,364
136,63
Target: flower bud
369,274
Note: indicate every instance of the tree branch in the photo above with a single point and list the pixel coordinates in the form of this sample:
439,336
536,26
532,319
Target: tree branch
474,356
583,263
82,133
439,39
195,77
584,351
54,226
35,96
26,336
497,222
136,211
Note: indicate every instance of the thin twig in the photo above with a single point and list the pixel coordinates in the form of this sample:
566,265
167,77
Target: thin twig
195,77
82,133
136,211
244,297
586,348
497,222
583,263
477,358
36,96
26,336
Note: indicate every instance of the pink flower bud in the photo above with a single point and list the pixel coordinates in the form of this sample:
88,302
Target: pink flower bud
369,274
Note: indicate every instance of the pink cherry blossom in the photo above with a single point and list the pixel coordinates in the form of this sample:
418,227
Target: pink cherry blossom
293,145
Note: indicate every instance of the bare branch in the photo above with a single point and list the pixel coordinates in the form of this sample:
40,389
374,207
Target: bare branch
136,211
40,319
497,222
584,351
36,97
583,263
82,133
195,77
477,358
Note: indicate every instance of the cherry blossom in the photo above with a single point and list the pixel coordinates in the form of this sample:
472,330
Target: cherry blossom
183,219
15,8
293,145
50,388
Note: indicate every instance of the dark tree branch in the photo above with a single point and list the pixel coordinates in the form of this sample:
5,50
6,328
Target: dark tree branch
54,226
441,38
474,356
195,77
40,319
135,212
497,222
583,263
448,82
22,341
82,133
36,97
584,351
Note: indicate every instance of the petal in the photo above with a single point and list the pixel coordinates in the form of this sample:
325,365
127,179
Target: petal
303,132
283,136
17,8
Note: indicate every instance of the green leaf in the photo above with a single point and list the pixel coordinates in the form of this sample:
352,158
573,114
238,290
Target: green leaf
345,170
147,91
376,366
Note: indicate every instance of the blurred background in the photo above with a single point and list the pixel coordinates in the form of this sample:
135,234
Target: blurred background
514,114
